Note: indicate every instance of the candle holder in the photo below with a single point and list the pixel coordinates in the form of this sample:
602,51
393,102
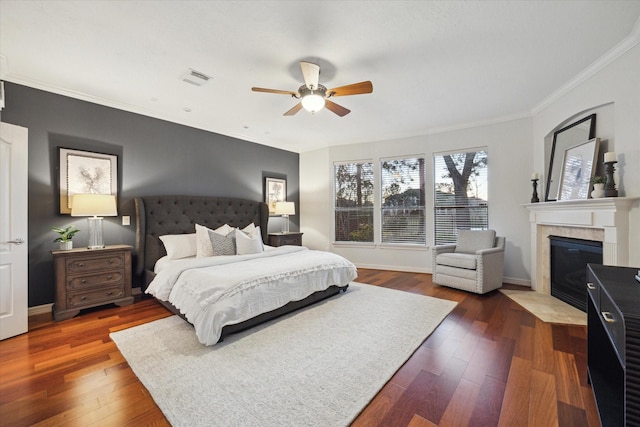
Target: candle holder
534,196
610,185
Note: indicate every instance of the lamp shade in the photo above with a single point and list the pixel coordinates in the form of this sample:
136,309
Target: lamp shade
94,205
285,208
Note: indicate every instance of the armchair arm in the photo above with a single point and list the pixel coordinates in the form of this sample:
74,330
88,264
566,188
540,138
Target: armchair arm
487,251
441,249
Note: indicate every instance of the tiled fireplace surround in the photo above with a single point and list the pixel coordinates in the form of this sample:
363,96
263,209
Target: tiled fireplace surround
604,220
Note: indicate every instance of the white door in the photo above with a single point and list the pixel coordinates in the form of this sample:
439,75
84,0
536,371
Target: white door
13,231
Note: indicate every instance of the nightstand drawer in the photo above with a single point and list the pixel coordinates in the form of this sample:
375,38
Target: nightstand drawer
89,281
291,240
280,239
82,299
89,264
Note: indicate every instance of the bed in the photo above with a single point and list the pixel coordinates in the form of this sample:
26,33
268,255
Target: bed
221,295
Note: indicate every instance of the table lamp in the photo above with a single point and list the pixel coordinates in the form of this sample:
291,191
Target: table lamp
94,206
285,209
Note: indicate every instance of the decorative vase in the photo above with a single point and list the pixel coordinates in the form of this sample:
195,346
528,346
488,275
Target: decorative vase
598,191
66,246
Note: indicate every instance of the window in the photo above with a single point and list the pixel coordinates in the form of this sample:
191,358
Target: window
353,184
403,207
461,201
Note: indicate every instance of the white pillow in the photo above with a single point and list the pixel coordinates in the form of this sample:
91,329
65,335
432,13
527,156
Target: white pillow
249,243
203,242
249,228
179,245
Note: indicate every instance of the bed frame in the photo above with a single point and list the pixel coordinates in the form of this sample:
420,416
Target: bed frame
160,215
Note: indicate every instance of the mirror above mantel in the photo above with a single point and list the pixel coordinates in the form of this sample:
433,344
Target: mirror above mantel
569,136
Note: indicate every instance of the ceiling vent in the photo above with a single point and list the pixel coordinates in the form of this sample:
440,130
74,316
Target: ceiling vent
195,77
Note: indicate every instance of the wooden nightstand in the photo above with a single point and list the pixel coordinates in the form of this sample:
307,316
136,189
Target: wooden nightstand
280,239
91,277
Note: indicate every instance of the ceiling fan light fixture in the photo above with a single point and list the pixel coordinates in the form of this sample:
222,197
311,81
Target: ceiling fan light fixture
313,102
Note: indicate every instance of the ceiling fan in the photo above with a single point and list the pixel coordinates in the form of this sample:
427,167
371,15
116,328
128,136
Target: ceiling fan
314,96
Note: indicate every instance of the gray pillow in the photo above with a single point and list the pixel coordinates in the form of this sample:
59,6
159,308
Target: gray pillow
223,245
470,241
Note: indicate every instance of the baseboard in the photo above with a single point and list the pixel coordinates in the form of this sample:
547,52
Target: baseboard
41,309
509,280
394,268
516,281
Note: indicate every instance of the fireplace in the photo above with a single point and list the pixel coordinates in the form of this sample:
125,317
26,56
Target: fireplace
603,220
569,259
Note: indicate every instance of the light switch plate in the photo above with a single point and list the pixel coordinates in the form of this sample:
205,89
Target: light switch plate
126,220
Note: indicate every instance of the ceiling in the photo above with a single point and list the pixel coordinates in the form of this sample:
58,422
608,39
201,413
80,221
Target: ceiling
435,65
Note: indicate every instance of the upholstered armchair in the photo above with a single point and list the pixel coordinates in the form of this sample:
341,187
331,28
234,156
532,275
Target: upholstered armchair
475,263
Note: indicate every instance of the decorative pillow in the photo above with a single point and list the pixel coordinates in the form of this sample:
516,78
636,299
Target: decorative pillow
470,241
223,245
179,245
203,242
249,243
249,228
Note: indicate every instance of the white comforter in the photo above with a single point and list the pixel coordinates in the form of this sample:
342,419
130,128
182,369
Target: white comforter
216,291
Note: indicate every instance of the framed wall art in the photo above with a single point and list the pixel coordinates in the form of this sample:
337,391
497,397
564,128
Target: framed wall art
578,168
83,172
275,190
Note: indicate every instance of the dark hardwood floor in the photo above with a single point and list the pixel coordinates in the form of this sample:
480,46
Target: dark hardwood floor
490,363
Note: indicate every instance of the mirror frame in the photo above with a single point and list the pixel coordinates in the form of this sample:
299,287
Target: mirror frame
560,146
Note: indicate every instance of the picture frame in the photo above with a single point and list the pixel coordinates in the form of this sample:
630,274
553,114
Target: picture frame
578,167
82,172
570,135
275,190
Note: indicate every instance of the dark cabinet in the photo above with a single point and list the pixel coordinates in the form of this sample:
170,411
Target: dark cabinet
613,343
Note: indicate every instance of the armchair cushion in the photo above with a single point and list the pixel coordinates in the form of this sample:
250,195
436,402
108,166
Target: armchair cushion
457,260
469,241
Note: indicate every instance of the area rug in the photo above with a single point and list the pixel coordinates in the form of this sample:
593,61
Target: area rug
319,366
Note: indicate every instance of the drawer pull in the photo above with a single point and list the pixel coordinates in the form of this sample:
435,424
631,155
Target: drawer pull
81,264
608,317
591,286
83,298
84,281
109,277
110,293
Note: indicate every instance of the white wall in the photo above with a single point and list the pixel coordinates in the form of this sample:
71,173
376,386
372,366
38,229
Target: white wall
613,93
516,149
509,176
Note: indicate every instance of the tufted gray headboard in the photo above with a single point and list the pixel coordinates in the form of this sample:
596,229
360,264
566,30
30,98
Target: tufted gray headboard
160,215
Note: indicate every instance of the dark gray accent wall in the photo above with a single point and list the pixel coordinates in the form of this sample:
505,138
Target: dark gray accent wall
155,157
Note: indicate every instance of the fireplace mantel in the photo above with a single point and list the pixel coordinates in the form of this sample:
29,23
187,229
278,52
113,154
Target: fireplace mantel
605,220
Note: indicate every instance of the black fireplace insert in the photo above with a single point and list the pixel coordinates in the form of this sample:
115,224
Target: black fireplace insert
569,259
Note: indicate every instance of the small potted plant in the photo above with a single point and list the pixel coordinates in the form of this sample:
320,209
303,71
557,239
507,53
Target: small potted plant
598,182
66,236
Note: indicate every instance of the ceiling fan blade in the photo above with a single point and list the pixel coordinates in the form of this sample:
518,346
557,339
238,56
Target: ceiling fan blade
352,89
294,110
282,92
311,74
338,109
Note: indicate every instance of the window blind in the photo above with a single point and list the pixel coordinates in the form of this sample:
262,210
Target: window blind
460,193
353,201
403,200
